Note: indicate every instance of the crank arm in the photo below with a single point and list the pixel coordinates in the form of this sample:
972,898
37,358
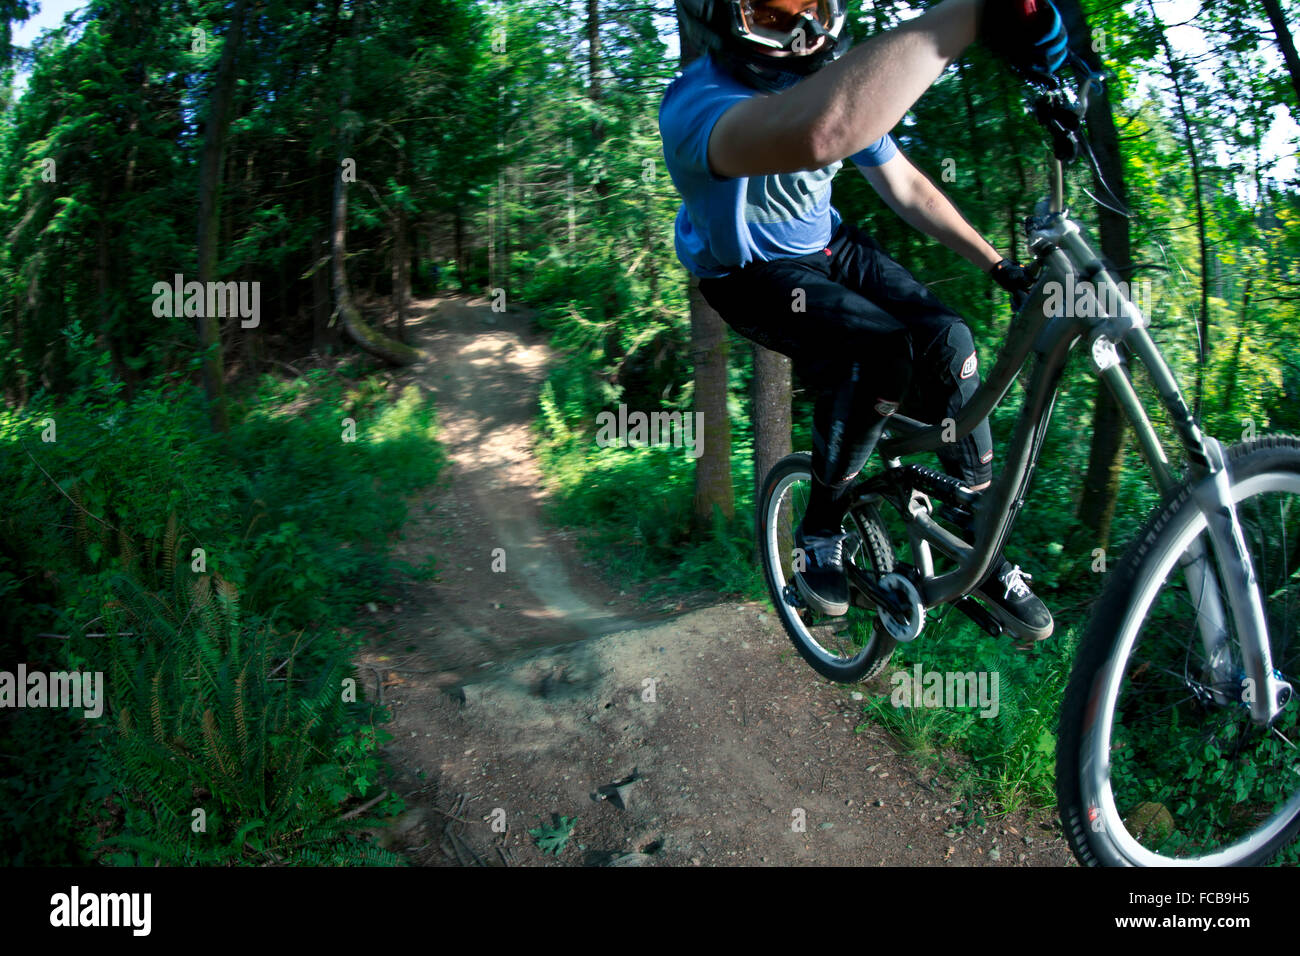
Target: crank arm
867,583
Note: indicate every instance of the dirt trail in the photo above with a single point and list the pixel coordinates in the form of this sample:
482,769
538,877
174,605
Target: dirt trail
530,692
484,370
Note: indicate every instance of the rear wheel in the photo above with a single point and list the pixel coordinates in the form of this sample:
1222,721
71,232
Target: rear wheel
847,649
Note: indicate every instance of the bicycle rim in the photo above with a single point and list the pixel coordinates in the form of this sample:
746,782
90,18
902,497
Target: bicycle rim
1173,769
847,648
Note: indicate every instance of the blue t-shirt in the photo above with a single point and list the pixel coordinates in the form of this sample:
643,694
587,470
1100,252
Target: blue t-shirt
726,223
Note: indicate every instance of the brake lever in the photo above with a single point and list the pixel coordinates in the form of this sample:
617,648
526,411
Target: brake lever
1063,124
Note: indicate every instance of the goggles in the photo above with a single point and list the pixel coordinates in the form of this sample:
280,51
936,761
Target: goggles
792,26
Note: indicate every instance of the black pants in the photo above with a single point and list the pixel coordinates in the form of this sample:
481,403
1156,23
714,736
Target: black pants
868,338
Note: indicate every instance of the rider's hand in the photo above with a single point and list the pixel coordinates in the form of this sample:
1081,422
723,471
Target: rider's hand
1011,276
1028,34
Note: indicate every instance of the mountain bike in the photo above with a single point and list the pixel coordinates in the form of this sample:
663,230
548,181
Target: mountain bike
1177,741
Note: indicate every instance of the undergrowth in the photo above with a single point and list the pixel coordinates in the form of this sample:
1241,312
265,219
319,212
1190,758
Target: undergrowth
1008,755
210,580
633,506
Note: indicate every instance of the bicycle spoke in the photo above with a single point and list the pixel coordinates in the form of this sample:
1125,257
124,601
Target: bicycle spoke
845,647
1191,773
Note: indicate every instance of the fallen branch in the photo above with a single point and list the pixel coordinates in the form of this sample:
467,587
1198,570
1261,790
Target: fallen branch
66,495
352,814
68,637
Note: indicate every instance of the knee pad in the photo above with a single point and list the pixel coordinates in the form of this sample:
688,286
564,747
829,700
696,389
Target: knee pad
955,363
953,359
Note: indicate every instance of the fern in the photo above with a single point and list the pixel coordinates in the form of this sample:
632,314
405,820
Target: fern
241,723
259,754
220,696
155,707
169,545
126,551
229,596
215,750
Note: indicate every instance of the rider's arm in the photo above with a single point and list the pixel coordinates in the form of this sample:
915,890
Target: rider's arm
924,206
848,104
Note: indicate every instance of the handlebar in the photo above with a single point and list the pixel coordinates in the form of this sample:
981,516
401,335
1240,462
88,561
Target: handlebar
1060,110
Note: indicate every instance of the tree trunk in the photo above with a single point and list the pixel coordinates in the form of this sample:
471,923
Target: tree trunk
1234,366
771,404
593,51
1175,71
1105,463
594,93
462,264
370,340
321,335
976,146
103,284
376,343
709,348
494,203
401,275
209,219
1106,455
1286,44
709,359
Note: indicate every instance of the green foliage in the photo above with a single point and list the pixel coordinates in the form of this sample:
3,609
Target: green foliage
635,507
52,786
1012,753
553,837
300,470
210,720
493,137
222,573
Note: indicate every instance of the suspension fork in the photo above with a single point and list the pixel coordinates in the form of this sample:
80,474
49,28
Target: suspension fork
1263,692
1211,618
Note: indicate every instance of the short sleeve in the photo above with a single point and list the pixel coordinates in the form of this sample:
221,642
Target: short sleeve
878,153
686,121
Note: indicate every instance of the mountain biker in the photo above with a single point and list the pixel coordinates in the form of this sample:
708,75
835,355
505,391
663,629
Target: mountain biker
753,133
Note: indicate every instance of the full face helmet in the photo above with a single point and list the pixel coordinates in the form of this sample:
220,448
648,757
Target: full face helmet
744,34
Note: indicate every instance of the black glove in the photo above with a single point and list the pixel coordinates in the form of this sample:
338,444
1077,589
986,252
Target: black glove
1011,276
1028,35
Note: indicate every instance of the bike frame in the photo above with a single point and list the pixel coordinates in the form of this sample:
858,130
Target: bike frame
1063,256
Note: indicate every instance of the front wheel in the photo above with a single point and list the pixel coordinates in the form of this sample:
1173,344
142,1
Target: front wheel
1159,763
847,649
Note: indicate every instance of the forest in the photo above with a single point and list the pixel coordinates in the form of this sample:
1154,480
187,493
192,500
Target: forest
217,220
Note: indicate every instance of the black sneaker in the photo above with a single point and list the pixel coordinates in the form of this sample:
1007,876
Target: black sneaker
1017,609
823,583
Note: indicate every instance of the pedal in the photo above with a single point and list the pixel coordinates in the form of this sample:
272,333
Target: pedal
1009,623
975,611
